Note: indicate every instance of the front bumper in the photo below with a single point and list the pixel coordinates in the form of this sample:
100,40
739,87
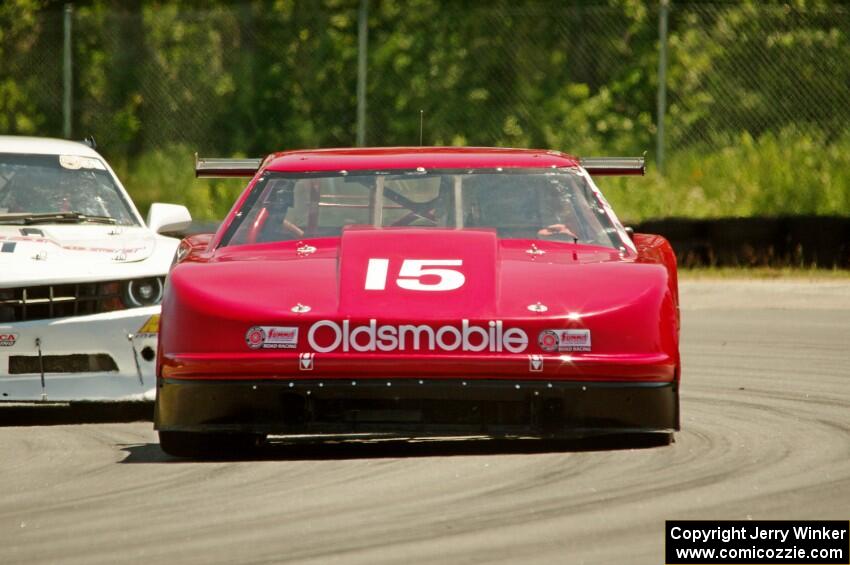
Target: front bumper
96,357
417,407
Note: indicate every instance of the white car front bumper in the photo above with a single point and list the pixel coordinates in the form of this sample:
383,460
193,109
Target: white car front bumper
97,357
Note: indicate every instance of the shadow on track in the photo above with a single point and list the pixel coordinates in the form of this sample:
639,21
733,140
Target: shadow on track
330,449
77,412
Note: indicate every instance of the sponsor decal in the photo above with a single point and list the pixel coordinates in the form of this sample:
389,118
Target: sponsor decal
326,336
535,363
150,328
74,162
26,239
272,337
549,340
575,340
564,340
305,361
255,337
8,340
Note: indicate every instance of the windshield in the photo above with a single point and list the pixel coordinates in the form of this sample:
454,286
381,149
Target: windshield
64,187
551,204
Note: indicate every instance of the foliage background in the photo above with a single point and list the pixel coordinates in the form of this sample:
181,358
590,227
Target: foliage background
757,121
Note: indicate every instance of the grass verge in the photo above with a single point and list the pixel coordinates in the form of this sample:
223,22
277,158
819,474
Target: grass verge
763,273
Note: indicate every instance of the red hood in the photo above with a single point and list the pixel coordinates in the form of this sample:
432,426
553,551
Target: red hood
501,278
580,286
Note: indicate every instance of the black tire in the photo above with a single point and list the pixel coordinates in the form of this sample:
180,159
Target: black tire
208,445
653,439
633,440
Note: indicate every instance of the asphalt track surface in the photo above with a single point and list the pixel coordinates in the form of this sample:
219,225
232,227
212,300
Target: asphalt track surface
766,434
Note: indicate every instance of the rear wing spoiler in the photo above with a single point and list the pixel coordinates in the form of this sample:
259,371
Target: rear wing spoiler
225,168
610,166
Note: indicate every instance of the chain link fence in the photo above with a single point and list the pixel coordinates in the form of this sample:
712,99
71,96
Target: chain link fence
256,76
31,64
758,68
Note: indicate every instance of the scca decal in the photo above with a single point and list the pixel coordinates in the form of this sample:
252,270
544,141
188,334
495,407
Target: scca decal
373,337
8,340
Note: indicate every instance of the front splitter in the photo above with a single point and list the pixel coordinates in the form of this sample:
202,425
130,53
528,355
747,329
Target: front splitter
407,407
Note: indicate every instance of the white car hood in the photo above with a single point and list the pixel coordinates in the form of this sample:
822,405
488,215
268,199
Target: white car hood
75,253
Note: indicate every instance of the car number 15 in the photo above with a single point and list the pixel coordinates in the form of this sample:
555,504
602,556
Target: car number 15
411,272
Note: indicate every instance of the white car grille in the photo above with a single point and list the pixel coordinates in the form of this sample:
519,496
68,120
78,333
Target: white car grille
76,363
58,301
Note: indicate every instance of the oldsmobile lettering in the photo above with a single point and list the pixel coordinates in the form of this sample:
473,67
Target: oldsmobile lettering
326,336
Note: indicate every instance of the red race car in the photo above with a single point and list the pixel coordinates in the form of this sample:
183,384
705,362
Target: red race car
418,291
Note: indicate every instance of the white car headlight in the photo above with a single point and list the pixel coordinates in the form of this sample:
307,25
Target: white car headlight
143,292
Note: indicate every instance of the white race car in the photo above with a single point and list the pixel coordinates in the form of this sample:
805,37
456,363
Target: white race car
81,276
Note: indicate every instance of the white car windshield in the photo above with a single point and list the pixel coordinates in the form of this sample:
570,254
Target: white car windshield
59,189
550,204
